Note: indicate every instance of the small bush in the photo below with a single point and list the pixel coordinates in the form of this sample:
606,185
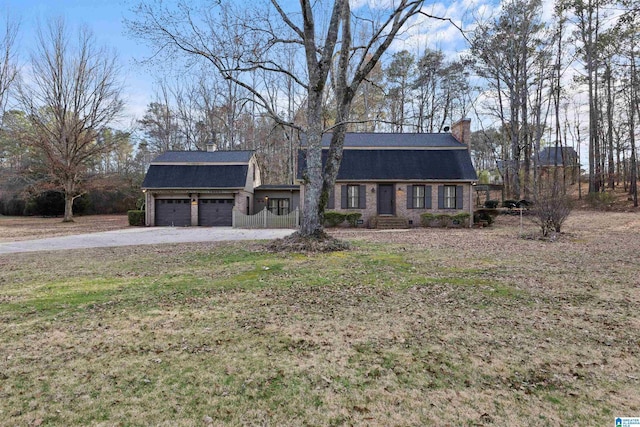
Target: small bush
491,204
136,218
352,218
483,215
551,208
461,218
333,219
426,219
443,219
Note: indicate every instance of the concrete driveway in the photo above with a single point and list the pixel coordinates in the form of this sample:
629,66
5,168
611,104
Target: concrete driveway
142,236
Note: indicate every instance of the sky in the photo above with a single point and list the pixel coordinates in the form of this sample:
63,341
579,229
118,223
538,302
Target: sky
106,19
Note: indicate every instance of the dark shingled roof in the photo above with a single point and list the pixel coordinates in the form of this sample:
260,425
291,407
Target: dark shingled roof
204,157
372,165
277,187
196,176
393,140
551,156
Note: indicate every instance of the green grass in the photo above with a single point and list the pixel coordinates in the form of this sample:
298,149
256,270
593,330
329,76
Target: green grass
384,334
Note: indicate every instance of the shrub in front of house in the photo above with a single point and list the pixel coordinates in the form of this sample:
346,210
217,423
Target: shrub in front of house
461,219
333,219
443,219
352,218
136,218
428,219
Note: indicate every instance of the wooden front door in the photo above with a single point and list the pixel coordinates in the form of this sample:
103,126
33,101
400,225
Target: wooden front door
385,199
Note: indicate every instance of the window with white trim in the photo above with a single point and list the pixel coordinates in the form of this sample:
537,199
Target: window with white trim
353,196
449,196
418,196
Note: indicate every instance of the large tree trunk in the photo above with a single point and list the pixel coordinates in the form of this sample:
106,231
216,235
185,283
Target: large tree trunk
314,203
312,214
68,207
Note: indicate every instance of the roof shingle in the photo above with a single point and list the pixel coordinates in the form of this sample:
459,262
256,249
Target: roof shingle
372,165
393,140
204,157
195,176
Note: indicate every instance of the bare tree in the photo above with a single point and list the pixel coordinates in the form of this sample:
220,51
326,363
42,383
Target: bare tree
239,41
511,56
8,68
72,93
551,208
399,73
588,21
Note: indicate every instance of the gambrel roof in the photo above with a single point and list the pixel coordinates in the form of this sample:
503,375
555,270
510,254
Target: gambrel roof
357,140
557,156
198,170
213,157
400,157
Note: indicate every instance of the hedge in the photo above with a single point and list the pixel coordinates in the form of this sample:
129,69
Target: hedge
352,218
136,218
333,219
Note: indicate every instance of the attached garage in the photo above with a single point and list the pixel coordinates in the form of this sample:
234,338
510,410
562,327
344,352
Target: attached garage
215,212
185,188
173,212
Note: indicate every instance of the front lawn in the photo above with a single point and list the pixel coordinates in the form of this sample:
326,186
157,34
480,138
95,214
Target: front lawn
420,327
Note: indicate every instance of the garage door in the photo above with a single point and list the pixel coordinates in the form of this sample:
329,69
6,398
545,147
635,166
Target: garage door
215,212
173,212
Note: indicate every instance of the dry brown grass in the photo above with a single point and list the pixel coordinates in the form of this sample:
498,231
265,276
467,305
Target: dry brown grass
421,327
25,228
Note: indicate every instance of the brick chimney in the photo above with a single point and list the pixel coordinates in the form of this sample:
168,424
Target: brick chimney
461,130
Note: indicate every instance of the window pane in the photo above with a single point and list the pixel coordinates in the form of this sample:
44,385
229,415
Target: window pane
284,207
418,196
273,206
353,196
449,196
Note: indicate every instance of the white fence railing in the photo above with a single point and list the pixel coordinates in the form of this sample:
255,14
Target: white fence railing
266,219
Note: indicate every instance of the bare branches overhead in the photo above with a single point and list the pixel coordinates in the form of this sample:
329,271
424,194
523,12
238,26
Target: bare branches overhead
72,94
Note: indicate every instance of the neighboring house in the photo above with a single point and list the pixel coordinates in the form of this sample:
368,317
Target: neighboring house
562,159
185,188
403,175
549,159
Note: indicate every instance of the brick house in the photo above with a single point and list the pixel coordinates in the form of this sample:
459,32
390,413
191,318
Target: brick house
559,161
382,175
394,175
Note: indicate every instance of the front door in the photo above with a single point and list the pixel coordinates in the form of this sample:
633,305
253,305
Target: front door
385,199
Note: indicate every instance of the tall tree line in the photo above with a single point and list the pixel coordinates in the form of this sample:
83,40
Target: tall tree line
553,83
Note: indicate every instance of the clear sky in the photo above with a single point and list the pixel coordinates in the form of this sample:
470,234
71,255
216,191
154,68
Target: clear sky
105,19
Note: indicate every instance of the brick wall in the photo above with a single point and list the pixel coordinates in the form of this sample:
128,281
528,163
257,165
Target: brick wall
401,210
